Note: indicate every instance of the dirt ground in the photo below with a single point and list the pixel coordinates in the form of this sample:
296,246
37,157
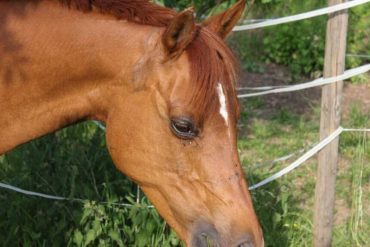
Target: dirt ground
356,94
301,101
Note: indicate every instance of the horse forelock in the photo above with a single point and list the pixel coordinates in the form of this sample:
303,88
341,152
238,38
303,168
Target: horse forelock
212,64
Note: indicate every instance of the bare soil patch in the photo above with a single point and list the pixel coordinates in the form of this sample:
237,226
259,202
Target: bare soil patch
356,95
299,102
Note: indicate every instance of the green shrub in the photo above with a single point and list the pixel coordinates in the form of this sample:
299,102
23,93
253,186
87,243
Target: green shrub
74,163
299,45
359,35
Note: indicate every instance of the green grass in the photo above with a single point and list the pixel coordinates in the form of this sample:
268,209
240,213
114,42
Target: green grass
74,163
285,206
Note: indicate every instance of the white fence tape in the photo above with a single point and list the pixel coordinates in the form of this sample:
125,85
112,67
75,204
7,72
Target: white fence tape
302,16
315,83
277,175
260,88
306,156
59,198
99,124
358,55
31,193
281,159
249,21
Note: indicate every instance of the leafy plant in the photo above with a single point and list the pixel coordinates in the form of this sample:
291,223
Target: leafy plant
299,45
74,163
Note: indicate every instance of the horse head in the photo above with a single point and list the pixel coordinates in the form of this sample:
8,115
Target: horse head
174,132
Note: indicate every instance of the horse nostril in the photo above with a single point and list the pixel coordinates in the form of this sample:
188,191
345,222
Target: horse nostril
205,240
245,243
205,235
209,242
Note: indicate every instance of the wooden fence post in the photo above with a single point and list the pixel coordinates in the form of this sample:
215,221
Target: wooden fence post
336,35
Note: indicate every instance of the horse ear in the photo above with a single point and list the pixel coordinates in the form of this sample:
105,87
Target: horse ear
223,23
179,33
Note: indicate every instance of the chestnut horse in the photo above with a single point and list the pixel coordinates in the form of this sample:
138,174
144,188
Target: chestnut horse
162,84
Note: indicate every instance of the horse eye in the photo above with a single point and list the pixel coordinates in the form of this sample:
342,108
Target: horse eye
183,128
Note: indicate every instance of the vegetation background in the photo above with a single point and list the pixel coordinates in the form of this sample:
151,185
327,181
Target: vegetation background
74,162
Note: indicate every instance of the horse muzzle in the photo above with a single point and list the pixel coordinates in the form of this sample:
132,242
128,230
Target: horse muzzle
205,235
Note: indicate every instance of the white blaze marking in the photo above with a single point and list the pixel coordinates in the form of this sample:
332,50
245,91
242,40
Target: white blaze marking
222,99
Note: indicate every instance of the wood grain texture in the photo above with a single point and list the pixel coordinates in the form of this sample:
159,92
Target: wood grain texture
335,50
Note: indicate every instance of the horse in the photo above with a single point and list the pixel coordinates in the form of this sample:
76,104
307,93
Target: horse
162,84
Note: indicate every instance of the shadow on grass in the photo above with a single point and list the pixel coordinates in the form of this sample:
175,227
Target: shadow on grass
71,163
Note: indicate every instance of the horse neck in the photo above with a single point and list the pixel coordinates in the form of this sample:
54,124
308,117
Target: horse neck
59,66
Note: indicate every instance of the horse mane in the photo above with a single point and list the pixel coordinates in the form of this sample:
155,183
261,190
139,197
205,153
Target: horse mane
212,62
137,11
